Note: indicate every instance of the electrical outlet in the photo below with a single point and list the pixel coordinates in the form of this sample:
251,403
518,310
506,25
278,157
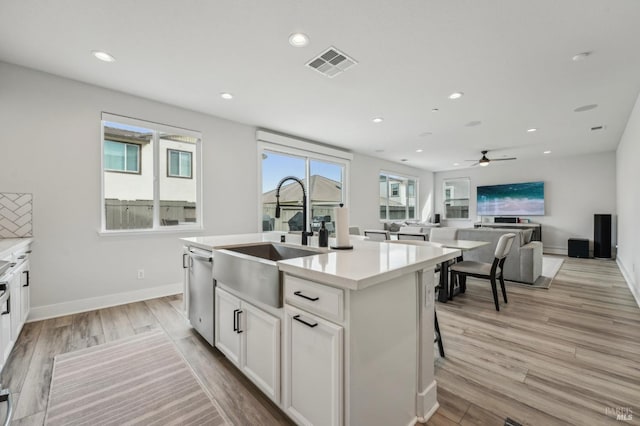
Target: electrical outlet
141,274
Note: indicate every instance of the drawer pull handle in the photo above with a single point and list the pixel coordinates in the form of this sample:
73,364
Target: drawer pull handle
297,318
8,310
239,311
299,294
28,278
235,320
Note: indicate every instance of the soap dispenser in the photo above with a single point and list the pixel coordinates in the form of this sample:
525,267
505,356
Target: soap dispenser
323,236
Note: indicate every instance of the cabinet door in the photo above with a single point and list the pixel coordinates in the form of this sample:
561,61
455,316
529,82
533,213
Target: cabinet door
15,283
26,292
227,332
260,359
313,365
5,331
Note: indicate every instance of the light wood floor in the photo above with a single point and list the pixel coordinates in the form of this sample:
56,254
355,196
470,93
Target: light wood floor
550,357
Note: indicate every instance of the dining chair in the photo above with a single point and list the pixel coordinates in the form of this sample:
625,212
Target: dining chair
443,234
490,271
377,234
438,335
411,236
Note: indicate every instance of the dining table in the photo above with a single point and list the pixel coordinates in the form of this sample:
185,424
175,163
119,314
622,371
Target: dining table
463,246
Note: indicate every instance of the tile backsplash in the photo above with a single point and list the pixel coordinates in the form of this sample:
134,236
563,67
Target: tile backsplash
15,215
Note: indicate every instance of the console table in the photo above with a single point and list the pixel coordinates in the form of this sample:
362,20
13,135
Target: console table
537,228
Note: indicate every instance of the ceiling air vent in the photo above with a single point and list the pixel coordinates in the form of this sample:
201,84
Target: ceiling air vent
331,62
594,128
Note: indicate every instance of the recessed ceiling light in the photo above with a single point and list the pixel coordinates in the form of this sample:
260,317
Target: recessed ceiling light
404,160
423,134
103,56
456,95
378,120
225,95
419,150
473,123
435,110
379,150
298,40
531,130
584,108
547,152
580,56
456,164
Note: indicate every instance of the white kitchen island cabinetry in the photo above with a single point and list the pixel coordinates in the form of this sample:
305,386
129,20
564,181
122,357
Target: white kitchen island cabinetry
313,369
249,338
357,331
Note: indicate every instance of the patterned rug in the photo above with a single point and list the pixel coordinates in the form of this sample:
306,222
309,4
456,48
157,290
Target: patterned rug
141,380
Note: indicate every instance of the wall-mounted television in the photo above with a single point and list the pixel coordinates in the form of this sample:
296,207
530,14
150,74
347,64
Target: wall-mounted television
513,199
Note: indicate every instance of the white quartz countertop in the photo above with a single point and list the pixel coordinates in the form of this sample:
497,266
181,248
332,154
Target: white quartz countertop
369,263
8,245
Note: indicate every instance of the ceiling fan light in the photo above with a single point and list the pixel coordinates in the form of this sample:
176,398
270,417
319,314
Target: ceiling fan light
484,163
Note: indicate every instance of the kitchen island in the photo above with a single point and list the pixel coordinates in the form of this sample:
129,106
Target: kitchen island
351,342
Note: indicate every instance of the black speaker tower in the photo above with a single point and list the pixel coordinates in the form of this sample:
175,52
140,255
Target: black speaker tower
602,236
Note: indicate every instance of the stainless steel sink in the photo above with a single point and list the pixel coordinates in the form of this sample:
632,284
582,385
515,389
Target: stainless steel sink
252,269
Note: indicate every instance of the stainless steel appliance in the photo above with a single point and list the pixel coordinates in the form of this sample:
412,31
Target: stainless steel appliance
201,286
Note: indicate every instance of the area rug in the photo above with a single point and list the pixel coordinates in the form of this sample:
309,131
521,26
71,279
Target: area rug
141,380
550,267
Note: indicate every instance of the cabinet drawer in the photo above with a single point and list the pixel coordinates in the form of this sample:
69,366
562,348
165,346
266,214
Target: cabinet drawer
328,302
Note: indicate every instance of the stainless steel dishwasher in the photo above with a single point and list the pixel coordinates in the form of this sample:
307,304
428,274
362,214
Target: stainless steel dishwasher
201,292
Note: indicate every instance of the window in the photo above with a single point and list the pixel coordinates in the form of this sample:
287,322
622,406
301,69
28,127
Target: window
323,177
121,157
456,198
398,200
179,163
139,197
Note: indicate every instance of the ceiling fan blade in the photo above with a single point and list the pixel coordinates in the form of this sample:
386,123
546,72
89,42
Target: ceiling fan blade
473,165
470,160
503,159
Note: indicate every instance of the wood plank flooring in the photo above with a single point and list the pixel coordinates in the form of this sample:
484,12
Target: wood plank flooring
550,357
567,355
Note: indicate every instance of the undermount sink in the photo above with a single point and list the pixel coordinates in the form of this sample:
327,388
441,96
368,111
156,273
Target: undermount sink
252,269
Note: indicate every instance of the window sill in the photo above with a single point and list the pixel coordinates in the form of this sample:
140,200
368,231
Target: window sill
130,232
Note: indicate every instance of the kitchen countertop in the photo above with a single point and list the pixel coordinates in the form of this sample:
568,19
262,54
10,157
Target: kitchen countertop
369,263
8,245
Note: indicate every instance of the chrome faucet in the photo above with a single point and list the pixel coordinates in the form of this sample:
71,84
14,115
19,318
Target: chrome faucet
305,234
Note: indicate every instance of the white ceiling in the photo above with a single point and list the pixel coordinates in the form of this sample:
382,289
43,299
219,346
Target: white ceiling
511,58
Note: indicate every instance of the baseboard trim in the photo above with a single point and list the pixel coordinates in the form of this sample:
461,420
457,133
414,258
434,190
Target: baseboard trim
38,313
630,281
427,403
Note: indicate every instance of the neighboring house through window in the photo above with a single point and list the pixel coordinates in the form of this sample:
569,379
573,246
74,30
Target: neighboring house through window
398,200
138,195
323,172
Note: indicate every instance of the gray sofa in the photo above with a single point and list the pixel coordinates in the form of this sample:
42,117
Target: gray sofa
524,261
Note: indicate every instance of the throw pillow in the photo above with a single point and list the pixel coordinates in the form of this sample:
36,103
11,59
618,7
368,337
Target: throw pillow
527,234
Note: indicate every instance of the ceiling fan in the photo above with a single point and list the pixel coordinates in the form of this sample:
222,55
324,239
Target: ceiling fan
484,161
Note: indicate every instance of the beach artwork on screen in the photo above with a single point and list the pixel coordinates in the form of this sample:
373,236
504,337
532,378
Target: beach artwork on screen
515,199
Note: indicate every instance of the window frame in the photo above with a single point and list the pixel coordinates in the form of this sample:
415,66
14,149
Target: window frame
285,145
445,199
415,195
139,165
157,128
180,152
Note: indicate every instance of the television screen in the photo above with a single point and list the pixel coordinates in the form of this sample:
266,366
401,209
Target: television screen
515,199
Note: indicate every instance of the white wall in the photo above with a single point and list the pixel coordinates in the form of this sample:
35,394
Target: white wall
365,190
50,146
628,201
575,188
